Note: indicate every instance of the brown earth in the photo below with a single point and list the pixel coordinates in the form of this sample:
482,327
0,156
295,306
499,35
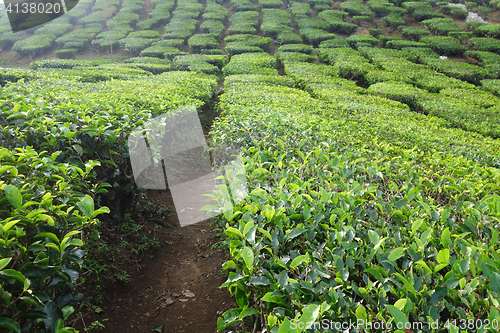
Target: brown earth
177,288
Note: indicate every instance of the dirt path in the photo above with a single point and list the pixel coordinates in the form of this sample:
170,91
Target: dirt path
176,289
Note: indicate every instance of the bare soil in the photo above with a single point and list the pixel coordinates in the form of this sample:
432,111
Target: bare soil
176,289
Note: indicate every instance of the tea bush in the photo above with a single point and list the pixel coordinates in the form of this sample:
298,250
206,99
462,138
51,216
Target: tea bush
202,41
66,64
442,26
444,45
47,210
419,53
14,75
34,45
275,21
485,44
380,7
289,38
161,50
79,36
394,20
244,5
308,49
384,39
56,28
262,42
455,11
331,43
414,33
251,63
215,27
95,17
488,30
300,8
282,56
316,36
376,32
462,71
136,44
270,3
351,64
247,17
305,22
214,11
144,34
356,7
65,53
203,63
400,44
353,39
491,85
180,27
302,251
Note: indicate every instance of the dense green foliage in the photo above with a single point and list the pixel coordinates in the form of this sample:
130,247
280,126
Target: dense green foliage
372,160
323,226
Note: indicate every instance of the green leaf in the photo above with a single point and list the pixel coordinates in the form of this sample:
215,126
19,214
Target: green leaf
59,325
248,257
4,262
295,232
416,225
425,235
49,235
259,171
273,299
411,194
6,227
158,329
228,318
396,253
409,287
13,274
401,203
374,237
299,260
400,303
285,327
438,294
309,315
400,318
280,143
443,256
67,311
86,205
439,267
495,282
361,313
102,210
12,193
445,237
422,264
10,324
53,314
266,233
233,232
247,228
248,312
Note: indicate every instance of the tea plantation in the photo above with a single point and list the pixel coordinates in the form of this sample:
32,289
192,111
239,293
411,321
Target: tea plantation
370,132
